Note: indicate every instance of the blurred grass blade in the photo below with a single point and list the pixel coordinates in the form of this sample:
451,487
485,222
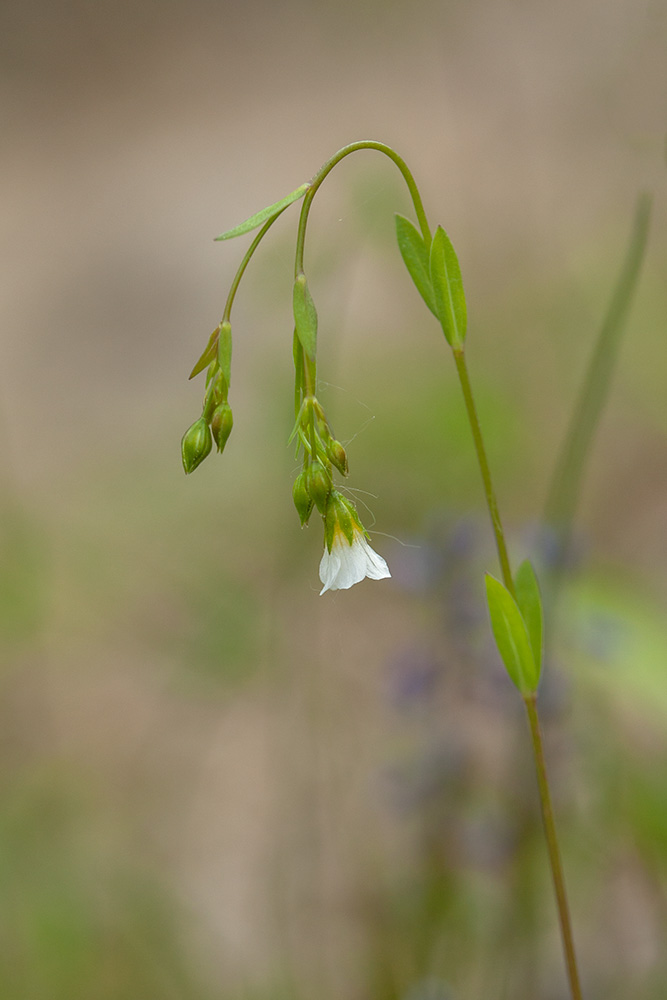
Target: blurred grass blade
255,221
570,467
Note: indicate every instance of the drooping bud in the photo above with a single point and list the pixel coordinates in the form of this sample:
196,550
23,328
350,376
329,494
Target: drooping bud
319,484
222,422
195,445
302,499
338,456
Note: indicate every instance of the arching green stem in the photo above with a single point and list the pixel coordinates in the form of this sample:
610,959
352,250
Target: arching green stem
328,167
308,374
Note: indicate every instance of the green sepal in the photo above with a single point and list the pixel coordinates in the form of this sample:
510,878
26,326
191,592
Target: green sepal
415,254
330,520
225,350
511,635
339,513
255,221
208,355
530,604
305,316
448,292
216,392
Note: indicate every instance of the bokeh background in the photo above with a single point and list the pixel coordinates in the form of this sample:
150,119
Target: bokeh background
214,783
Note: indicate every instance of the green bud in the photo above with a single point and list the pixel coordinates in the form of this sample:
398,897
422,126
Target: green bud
302,499
222,422
216,393
338,456
319,484
196,445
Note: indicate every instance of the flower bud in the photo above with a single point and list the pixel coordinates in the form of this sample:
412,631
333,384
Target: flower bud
319,484
222,422
338,456
196,445
302,499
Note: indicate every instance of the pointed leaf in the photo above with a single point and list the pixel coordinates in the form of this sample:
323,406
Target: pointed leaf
255,221
415,256
530,604
305,316
448,292
511,635
208,355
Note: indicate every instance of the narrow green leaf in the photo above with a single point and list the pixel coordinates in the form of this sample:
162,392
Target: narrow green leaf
448,292
415,254
530,604
255,221
305,316
511,635
225,350
574,456
208,355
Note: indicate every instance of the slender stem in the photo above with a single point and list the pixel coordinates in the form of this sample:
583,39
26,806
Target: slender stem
530,702
322,173
246,260
491,501
328,167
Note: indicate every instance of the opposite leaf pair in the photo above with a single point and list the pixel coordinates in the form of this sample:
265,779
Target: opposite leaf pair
517,626
435,270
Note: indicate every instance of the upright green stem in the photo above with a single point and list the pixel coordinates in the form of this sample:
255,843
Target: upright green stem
530,703
492,503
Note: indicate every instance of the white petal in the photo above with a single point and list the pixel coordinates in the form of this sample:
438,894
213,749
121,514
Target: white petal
329,566
352,565
348,564
376,567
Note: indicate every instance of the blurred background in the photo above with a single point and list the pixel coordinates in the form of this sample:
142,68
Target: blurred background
214,783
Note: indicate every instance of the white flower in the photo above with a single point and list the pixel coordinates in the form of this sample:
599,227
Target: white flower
349,562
